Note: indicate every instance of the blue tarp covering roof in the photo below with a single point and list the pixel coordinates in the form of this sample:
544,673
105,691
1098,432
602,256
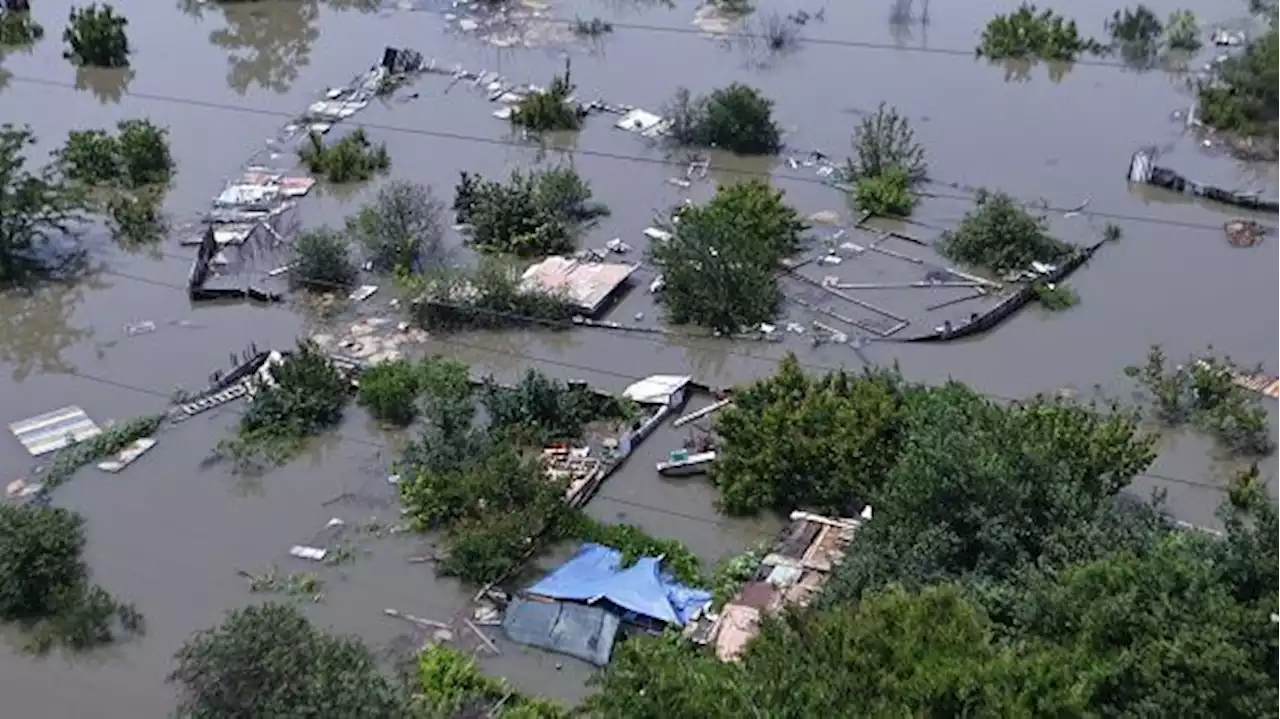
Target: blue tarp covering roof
594,574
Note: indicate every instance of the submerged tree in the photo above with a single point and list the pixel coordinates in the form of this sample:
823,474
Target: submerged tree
737,118
136,156
401,230
17,29
37,208
720,267
534,213
270,661
1245,97
883,141
95,37
551,109
322,262
1001,236
354,158
1031,33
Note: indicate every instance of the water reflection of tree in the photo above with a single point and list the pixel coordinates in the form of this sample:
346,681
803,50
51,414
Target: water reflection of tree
903,17
35,326
267,42
108,85
1019,69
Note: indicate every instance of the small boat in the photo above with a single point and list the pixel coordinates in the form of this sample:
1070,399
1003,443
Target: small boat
682,464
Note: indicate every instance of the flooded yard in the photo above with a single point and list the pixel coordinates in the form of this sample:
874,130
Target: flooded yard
170,532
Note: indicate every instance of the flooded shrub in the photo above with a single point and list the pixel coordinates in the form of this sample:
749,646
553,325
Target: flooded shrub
449,683
550,110
1139,26
1243,97
533,214
322,262
37,208
308,398
887,195
1182,31
17,28
853,425
269,660
44,583
1203,391
352,159
401,230
594,27
1030,33
733,7
136,156
720,265
883,141
540,410
490,295
737,118
1056,297
389,390
113,439
95,37
1001,236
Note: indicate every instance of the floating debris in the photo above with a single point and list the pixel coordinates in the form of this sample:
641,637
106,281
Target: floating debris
128,455
54,430
362,293
315,554
1243,233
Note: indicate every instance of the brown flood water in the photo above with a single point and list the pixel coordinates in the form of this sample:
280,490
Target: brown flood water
170,534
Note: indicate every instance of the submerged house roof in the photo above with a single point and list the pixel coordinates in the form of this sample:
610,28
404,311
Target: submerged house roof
586,284
657,388
594,575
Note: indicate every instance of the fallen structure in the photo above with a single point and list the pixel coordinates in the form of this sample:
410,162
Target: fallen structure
579,608
980,322
1144,171
793,573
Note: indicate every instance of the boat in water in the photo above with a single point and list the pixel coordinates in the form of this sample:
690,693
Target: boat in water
683,464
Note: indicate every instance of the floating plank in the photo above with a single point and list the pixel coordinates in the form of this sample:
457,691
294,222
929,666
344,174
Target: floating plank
303,552
54,430
126,456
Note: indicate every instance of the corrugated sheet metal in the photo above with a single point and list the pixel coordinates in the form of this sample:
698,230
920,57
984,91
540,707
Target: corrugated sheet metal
54,430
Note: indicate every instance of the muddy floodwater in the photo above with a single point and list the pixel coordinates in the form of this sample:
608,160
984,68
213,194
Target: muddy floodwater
169,533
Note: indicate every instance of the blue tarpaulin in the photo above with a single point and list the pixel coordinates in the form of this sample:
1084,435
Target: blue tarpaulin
574,629
594,574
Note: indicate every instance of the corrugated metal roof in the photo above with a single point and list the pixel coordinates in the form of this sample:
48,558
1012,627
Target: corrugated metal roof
54,430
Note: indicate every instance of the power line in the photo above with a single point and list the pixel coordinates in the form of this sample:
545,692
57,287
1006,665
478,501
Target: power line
620,157
561,364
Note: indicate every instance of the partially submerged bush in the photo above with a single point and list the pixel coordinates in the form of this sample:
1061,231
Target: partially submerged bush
1056,297
1029,33
720,267
1182,32
1203,392
389,390
883,141
18,29
136,156
322,262
594,27
95,37
306,399
352,159
491,295
533,214
551,109
737,118
1243,98
448,683
135,218
44,583
1001,236
887,195
401,230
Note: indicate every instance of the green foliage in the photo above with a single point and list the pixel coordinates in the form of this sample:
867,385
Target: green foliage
1056,297
112,440
307,398
552,109
885,142
1030,33
450,684
982,492
125,174
389,390
37,208
322,262
270,661
792,441
1138,26
44,583
737,118
734,8
143,153
95,37
490,295
352,159
633,543
540,410
730,575
720,267
91,157
1203,392
401,230
1243,98
999,235
135,218
887,195
18,29
533,214
1182,32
